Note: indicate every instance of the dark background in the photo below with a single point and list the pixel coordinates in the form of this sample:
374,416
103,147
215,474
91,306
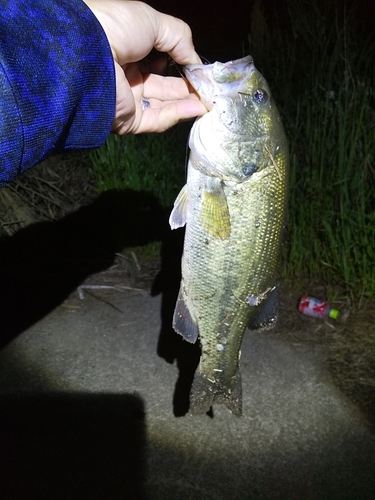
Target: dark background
220,29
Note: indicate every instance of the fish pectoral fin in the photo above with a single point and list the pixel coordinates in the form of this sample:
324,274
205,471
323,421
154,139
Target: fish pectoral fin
267,317
183,322
215,214
204,393
178,215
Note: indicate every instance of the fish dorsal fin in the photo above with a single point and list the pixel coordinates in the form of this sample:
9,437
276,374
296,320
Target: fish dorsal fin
215,213
178,214
183,322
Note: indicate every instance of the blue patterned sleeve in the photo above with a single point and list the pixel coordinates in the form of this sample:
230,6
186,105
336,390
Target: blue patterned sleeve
57,82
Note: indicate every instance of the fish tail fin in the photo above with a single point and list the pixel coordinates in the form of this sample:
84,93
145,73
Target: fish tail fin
204,393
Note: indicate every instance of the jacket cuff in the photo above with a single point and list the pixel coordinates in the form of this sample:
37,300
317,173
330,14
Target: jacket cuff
57,82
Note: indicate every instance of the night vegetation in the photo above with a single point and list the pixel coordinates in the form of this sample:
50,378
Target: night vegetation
322,76
319,63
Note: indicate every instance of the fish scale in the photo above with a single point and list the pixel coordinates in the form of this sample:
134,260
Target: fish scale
234,211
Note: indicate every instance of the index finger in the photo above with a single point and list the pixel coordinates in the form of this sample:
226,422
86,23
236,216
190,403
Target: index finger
174,37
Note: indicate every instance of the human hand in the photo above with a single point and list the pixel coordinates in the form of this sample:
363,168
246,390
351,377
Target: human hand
133,29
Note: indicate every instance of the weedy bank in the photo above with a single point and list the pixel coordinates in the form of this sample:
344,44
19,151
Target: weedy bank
152,163
322,76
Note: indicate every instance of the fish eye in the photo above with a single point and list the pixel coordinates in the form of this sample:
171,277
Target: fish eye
260,96
249,169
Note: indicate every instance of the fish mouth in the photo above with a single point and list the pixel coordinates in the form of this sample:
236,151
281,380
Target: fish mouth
226,79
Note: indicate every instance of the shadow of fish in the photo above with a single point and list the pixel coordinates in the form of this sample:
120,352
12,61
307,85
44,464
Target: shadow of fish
233,205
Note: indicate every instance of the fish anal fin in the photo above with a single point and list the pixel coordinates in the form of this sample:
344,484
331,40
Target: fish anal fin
215,214
183,322
178,215
204,393
266,319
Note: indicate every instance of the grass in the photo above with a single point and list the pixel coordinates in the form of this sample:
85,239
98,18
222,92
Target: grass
331,225
154,163
151,164
323,81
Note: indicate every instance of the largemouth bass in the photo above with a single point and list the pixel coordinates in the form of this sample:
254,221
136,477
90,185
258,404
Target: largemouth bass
234,206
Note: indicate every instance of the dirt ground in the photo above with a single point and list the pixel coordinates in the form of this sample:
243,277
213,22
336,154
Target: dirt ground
347,344
62,189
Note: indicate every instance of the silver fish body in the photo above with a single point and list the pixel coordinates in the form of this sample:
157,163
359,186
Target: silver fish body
234,206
